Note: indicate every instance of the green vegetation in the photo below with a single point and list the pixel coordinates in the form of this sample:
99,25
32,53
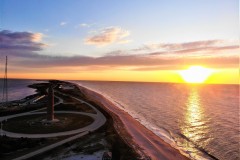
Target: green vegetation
65,98
105,138
70,104
8,145
31,124
40,87
17,109
74,107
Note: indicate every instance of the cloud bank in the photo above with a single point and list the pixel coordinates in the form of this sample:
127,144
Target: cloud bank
134,62
189,47
24,50
20,43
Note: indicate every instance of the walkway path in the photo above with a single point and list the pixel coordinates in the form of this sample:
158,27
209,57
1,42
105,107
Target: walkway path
99,120
52,146
27,113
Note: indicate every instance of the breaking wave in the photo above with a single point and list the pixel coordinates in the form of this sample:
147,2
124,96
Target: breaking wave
166,135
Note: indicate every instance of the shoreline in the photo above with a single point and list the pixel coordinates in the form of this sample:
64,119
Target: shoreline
147,144
131,138
101,139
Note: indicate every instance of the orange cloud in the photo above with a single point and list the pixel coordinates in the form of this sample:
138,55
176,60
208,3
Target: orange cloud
37,37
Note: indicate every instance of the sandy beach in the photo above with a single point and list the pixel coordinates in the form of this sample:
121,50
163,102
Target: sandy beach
145,142
96,136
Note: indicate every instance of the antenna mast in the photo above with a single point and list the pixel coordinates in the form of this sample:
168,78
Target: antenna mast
5,85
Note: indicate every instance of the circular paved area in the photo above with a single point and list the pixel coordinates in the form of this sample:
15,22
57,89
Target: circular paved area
35,123
99,120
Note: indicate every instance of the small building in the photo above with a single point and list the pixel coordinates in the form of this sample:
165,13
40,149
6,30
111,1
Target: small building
107,156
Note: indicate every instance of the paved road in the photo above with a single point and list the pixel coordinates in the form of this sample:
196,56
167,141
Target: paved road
52,146
99,120
27,113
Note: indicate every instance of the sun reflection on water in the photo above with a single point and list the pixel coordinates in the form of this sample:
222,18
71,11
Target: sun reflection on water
195,127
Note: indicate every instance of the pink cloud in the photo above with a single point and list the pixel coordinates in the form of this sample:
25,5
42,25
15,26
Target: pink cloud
108,36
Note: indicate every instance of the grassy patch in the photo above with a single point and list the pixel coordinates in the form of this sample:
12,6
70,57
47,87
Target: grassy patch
11,148
65,98
74,107
32,123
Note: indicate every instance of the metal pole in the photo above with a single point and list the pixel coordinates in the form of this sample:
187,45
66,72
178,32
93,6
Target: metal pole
5,85
1,128
6,81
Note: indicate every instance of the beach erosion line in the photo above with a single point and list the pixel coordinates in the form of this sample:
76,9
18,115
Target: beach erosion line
134,132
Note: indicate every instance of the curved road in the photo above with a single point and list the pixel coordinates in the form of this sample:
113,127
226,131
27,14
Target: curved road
99,120
26,113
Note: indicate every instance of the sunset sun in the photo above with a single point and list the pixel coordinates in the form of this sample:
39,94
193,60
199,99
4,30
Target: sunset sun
195,74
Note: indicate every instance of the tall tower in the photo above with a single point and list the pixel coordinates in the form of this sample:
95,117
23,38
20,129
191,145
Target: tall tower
50,107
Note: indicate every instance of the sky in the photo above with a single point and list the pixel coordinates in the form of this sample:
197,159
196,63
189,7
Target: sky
135,40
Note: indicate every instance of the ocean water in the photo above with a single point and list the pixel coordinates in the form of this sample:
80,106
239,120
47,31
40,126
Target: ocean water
199,120
17,89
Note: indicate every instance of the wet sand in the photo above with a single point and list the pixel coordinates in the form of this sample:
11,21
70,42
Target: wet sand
142,140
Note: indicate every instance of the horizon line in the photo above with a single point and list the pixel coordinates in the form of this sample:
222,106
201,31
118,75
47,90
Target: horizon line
45,79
